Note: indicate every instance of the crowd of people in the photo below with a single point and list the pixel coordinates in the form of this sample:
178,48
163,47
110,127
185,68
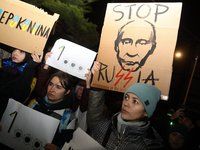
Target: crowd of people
120,121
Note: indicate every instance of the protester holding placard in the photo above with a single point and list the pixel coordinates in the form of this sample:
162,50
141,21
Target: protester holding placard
130,128
53,99
56,103
16,76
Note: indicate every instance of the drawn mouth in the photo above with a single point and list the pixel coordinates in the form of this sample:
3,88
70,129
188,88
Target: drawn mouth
130,63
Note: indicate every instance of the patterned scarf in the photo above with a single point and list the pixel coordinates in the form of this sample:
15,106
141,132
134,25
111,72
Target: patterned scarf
9,62
50,105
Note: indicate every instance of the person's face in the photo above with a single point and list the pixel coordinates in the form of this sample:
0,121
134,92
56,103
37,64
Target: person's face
79,92
134,45
132,108
176,140
18,56
55,91
187,122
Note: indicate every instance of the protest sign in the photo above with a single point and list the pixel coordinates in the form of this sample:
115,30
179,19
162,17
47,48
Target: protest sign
137,45
25,128
71,58
82,140
24,26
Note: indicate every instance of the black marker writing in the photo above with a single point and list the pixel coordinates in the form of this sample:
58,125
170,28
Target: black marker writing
63,47
14,113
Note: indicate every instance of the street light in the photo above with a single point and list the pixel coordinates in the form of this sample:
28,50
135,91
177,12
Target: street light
178,54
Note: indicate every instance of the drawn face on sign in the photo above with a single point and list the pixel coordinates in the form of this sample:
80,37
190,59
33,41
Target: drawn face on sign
134,44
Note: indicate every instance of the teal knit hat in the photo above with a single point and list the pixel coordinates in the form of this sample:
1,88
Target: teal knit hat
148,94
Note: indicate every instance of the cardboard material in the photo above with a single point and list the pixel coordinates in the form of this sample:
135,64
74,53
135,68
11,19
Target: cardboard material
137,45
24,26
25,128
71,58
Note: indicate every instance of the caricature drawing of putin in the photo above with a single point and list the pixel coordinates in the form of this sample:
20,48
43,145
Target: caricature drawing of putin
134,44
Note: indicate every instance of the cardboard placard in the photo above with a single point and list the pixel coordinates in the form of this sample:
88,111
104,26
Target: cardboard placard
137,45
24,26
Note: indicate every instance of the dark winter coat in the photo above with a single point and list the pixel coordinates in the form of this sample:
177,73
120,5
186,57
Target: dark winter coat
15,84
130,137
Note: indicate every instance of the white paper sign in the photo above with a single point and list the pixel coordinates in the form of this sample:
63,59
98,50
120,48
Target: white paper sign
26,129
81,117
71,58
82,141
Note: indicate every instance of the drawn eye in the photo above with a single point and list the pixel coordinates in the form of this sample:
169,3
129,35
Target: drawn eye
142,42
127,41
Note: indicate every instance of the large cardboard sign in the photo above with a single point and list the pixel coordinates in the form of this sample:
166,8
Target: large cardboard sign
71,58
24,26
25,128
82,141
137,45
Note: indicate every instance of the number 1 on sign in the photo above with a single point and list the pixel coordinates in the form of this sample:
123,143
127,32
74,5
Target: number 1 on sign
62,47
11,115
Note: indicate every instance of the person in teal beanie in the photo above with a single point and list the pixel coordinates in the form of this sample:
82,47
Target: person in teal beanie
129,128
148,94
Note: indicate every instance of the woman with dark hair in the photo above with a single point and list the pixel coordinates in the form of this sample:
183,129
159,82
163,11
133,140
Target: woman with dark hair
56,102
16,76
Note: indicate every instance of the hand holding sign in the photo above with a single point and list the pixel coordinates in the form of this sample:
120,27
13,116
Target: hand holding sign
71,58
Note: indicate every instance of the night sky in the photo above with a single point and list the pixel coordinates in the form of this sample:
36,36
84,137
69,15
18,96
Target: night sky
188,44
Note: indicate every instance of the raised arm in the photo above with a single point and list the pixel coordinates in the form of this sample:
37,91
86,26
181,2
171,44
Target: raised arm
42,76
96,108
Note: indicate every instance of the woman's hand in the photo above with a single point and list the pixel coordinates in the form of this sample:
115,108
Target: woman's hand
176,114
88,78
95,67
36,57
50,146
48,55
88,75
